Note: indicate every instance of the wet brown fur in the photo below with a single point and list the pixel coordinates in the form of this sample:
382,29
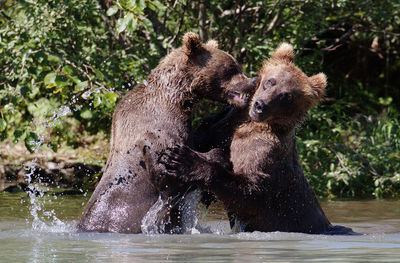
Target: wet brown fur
147,120
276,194
267,190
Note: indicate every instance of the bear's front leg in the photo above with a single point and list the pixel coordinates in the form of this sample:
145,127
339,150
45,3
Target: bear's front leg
186,165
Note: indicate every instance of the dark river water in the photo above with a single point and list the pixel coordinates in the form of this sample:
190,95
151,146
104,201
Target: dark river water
43,230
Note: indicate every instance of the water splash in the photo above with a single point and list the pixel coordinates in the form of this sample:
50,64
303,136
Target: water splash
238,226
46,219
190,212
43,220
150,224
55,119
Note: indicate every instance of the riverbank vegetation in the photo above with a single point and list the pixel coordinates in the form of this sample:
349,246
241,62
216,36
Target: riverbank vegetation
65,64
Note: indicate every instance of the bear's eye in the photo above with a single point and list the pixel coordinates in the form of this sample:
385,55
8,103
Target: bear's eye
269,83
286,97
231,70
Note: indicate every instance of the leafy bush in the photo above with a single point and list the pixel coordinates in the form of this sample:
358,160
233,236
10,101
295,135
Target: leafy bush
356,156
61,65
64,64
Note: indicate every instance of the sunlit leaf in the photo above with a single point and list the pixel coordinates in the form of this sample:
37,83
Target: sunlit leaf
81,85
141,4
133,24
122,23
67,69
96,101
3,125
109,99
50,79
86,114
99,74
112,10
54,58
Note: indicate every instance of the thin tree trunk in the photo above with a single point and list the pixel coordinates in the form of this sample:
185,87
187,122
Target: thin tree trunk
202,20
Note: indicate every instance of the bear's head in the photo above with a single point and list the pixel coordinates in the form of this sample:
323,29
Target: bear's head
284,93
216,74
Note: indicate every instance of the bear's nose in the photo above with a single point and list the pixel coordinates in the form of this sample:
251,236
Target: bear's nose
259,106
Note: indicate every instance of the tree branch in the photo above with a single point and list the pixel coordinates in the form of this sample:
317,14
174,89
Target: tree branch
202,20
364,163
179,27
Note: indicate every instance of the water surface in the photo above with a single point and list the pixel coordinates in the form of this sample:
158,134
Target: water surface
49,235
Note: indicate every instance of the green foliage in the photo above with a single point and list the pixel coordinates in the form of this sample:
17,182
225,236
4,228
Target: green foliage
65,63
59,61
356,156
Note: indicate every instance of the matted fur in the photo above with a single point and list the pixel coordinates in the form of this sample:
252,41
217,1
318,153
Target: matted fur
149,119
191,43
267,190
212,43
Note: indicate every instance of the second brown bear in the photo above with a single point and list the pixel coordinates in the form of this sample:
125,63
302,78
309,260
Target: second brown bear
267,190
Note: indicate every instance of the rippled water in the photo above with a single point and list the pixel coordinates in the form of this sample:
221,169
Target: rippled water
50,240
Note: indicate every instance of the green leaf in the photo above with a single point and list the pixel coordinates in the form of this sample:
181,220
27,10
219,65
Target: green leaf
141,4
67,69
86,114
147,23
109,99
17,135
50,79
385,101
81,85
42,107
151,6
133,24
158,4
131,5
96,100
54,59
99,74
31,142
75,79
62,81
3,125
122,23
112,10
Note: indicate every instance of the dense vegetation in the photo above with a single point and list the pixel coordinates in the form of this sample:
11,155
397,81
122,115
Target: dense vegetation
65,63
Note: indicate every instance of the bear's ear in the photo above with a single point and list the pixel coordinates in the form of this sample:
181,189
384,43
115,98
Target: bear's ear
212,43
318,83
190,43
284,52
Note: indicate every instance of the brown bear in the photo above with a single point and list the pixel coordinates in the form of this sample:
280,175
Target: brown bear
267,190
132,196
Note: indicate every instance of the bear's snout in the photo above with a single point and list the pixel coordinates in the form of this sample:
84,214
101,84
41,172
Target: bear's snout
259,106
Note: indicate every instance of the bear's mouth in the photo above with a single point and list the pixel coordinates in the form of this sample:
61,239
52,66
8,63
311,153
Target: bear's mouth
239,97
